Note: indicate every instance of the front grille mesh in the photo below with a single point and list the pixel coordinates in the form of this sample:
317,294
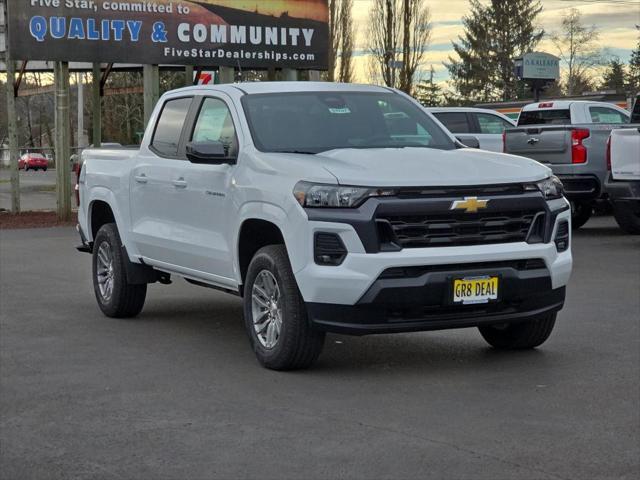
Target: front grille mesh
456,229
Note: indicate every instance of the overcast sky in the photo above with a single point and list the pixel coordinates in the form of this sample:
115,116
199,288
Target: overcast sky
616,21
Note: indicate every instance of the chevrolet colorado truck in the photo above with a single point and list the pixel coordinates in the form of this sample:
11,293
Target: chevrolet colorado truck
570,137
327,208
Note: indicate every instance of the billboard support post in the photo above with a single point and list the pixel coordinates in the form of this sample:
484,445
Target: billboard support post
188,75
12,123
290,74
151,81
227,74
12,127
63,140
96,101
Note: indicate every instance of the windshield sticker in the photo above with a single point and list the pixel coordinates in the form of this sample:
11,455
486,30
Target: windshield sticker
342,110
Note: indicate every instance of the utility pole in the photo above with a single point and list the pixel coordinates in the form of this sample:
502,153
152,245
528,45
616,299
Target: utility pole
63,141
96,101
12,124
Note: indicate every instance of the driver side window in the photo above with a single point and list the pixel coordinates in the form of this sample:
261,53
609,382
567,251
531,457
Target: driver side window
215,124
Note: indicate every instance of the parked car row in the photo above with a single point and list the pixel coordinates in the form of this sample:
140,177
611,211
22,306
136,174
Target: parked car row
573,138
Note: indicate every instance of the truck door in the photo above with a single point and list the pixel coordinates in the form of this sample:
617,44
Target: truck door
154,197
204,203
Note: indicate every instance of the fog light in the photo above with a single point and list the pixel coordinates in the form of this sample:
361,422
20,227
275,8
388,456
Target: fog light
562,236
329,249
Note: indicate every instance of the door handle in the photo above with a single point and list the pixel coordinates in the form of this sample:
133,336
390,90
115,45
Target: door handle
142,178
180,183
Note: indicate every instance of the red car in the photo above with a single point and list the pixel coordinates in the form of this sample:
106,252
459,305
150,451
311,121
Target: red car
33,161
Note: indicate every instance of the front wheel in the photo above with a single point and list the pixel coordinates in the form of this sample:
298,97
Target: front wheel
275,314
516,336
580,213
116,296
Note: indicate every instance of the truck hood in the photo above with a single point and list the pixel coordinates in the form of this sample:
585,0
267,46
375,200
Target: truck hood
400,167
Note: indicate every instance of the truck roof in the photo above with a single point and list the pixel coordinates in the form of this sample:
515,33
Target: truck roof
252,88
556,104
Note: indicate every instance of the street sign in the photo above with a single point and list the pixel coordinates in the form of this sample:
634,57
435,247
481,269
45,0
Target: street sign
245,34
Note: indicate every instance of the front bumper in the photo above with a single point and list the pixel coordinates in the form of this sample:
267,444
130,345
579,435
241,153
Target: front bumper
360,296
424,303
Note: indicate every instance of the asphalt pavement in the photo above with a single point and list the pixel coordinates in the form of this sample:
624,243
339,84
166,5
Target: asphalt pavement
177,393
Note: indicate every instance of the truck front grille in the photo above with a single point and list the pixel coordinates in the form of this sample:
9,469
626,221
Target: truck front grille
456,229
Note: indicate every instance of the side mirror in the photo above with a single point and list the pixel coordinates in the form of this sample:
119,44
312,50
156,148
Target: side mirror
208,152
468,141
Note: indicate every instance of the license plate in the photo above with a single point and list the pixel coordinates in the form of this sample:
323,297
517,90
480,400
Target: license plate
475,290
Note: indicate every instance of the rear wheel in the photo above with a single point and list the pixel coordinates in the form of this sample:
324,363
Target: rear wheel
627,218
580,213
514,336
116,296
275,314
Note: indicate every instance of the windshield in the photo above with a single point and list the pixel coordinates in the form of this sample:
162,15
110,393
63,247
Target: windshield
313,122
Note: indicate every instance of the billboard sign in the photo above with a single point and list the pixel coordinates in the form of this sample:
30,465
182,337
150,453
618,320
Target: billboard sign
244,33
538,65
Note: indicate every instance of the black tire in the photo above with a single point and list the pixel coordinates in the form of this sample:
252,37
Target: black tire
26,169
627,218
517,336
580,214
298,344
125,300
44,169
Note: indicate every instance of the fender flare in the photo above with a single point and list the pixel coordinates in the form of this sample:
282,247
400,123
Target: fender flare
267,212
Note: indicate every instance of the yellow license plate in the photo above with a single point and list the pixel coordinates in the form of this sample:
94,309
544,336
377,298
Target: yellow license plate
475,289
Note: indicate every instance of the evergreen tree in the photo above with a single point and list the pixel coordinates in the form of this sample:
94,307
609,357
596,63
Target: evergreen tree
614,76
494,34
428,92
633,76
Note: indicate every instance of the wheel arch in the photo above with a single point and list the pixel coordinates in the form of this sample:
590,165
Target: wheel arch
254,234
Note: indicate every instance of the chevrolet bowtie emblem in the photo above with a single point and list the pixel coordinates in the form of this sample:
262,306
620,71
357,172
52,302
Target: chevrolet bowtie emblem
469,204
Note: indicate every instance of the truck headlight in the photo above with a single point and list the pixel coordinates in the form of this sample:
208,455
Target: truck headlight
550,187
335,196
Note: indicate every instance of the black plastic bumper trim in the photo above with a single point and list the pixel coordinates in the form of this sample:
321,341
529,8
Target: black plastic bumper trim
424,302
581,187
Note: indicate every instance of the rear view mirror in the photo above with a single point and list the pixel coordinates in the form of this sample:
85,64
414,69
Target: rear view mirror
207,152
468,141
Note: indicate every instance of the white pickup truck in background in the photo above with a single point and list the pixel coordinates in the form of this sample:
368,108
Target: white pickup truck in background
327,208
570,137
623,181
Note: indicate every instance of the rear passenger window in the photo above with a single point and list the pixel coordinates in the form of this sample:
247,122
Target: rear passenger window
169,127
606,115
491,123
456,122
545,117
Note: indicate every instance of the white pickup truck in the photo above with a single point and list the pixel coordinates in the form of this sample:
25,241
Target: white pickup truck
327,208
623,181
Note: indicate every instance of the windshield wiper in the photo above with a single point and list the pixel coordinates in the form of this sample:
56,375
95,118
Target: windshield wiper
304,152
